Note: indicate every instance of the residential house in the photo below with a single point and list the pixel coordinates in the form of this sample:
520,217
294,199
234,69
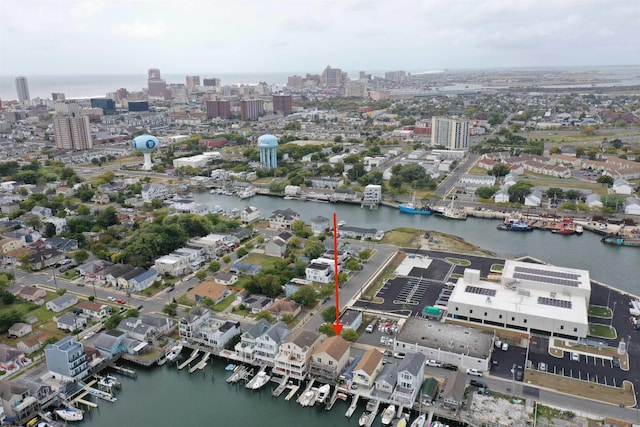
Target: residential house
320,225
330,359
501,196
372,194
227,279
277,246
17,403
42,258
533,199
410,376
70,322
110,343
112,274
366,371
327,182
429,390
62,302
136,328
191,321
351,319
173,265
139,281
621,186
246,347
9,244
41,212
285,307
32,294
208,289
11,359
249,214
216,333
60,224
453,392
100,198
360,233
257,303
385,382
319,272
62,244
93,268
282,219
632,206
470,182
154,191
66,359
19,329
37,388
94,309
268,344
594,201
162,324
295,353
31,344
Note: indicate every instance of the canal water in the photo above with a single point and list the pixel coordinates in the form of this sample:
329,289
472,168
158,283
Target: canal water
164,396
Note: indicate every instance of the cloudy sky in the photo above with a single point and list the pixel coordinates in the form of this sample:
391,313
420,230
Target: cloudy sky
126,36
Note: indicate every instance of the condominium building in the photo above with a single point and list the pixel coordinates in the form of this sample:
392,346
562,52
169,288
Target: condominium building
218,109
451,133
72,132
66,359
22,87
193,81
282,104
251,109
331,77
156,85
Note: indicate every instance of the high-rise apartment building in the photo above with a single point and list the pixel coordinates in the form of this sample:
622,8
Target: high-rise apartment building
67,107
294,82
331,77
154,74
22,87
72,132
251,109
452,133
218,109
211,82
121,94
156,85
57,96
282,104
193,81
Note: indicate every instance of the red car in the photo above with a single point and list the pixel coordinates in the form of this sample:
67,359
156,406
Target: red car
121,301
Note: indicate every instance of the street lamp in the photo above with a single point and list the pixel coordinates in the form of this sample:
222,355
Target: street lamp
612,313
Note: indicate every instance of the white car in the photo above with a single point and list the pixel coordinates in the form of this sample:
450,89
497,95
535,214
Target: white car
110,298
575,356
89,335
542,367
433,363
505,346
475,372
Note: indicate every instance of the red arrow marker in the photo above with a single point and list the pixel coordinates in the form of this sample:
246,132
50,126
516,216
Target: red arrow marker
337,326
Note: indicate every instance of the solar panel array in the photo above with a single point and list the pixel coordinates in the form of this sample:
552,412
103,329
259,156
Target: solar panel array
480,291
546,276
554,302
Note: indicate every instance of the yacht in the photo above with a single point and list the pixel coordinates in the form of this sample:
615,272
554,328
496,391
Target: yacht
388,414
174,352
323,393
70,414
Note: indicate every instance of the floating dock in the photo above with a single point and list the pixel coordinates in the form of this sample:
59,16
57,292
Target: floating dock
191,358
124,371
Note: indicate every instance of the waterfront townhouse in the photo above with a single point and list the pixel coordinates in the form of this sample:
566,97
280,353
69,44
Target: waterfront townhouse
110,343
94,309
191,321
66,359
145,327
385,382
154,191
282,219
372,194
268,344
366,371
295,353
246,347
17,402
453,391
410,376
249,214
37,388
330,359
216,333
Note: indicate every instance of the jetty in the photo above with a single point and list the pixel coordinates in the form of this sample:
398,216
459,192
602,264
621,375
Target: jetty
201,364
352,408
281,386
191,358
332,399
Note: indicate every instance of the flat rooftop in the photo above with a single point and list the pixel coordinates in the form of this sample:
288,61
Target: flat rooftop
446,336
562,278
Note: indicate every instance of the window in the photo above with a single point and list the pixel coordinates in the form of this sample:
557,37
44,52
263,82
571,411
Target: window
561,327
513,319
525,320
575,329
330,362
470,311
485,314
500,316
456,308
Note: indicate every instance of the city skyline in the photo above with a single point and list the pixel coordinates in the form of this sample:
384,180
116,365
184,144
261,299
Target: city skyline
128,37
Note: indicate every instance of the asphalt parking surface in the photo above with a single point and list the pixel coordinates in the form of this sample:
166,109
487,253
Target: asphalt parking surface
506,360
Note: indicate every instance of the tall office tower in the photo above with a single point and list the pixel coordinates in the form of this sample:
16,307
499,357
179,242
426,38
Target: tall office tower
250,109
108,105
72,132
193,81
331,77
22,87
57,96
211,82
67,107
157,86
452,133
154,74
216,108
282,104
294,82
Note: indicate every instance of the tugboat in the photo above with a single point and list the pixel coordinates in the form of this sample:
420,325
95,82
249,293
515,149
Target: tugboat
511,224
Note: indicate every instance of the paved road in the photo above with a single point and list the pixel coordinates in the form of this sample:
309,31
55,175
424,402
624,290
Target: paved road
446,185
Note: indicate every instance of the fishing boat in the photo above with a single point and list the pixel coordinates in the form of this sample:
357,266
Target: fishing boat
412,208
341,223
388,414
621,240
323,393
70,414
452,211
307,398
364,418
511,224
420,421
259,381
565,228
174,352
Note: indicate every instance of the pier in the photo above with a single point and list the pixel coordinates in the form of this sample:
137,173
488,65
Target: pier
202,363
294,389
352,408
281,387
191,358
374,411
124,371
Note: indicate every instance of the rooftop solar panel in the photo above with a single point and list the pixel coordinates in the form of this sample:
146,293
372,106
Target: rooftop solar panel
554,302
545,279
548,273
480,291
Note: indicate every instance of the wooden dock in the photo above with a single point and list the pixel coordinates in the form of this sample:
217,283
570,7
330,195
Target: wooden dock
281,387
242,373
294,389
124,371
191,358
374,411
201,364
332,399
353,406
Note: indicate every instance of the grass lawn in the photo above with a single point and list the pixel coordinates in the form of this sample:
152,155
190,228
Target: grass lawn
457,261
222,305
403,237
70,275
602,331
182,300
265,261
152,290
600,311
497,268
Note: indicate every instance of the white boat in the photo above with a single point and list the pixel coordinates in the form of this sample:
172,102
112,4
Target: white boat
364,418
174,352
579,229
402,422
420,421
307,398
341,223
247,192
259,381
323,393
70,414
452,211
388,414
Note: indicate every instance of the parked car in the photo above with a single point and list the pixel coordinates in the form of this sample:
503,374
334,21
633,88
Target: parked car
121,301
110,298
505,346
475,372
398,355
449,366
433,363
478,383
616,362
542,367
369,329
575,356
519,374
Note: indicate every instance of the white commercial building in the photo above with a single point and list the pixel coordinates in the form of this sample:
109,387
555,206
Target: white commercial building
532,298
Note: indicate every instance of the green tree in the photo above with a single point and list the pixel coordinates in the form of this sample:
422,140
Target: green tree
580,150
554,193
486,192
329,314
300,229
352,264
49,230
80,256
605,179
264,314
327,329
85,193
519,190
306,296
313,248
226,259
499,169
170,309
214,267
555,150
350,335
241,252
572,194
201,274
113,321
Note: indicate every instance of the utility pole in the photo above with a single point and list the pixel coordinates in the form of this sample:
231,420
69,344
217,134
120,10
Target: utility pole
612,313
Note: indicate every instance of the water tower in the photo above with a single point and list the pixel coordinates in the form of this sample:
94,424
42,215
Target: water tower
268,146
147,144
